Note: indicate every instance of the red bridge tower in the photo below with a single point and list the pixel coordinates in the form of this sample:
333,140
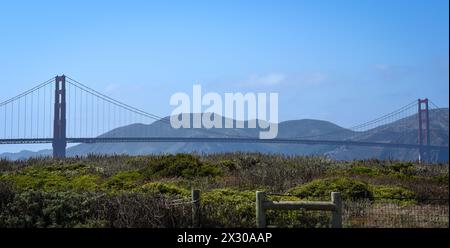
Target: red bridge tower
424,128
59,125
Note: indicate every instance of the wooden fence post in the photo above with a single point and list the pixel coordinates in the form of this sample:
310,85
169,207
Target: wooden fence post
260,212
196,208
336,217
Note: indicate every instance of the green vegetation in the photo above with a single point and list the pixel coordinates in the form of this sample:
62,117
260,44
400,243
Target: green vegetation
396,170
126,180
124,191
321,189
393,194
164,189
180,165
230,207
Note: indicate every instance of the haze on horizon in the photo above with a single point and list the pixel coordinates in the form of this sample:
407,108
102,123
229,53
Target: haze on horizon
341,61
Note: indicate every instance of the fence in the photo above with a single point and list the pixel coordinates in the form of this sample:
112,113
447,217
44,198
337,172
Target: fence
334,206
362,213
396,213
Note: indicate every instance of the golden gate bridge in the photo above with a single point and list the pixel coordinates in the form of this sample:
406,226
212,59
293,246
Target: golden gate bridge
62,110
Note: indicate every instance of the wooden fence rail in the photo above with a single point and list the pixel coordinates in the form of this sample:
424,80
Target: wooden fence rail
335,206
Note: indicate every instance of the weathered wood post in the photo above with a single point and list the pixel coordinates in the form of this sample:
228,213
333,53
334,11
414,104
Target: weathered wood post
260,213
196,208
336,217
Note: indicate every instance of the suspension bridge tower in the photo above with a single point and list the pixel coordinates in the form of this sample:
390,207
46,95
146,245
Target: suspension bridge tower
424,129
59,124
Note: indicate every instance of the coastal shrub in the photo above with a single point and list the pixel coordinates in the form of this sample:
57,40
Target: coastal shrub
180,165
36,209
88,182
68,209
228,165
37,179
7,193
390,191
393,194
402,167
322,188
123,181
164,189
228,208
364,170
397,170
441,179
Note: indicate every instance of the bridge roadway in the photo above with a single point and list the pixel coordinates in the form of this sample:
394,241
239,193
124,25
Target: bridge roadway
222,140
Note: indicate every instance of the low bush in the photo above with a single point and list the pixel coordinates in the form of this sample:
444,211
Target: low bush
402,167
393,194
390,191
88,182
47,209
37,179
441,179
363,170
180,165
229,165
228,208
36,209
321,189
126,180
164,189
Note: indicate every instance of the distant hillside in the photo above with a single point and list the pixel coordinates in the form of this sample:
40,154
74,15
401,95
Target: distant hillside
401,131
288,129
25,154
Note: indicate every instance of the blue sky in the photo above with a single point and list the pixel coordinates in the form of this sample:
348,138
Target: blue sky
345,61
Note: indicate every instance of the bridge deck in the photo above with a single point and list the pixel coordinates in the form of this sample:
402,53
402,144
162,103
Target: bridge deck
221,140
